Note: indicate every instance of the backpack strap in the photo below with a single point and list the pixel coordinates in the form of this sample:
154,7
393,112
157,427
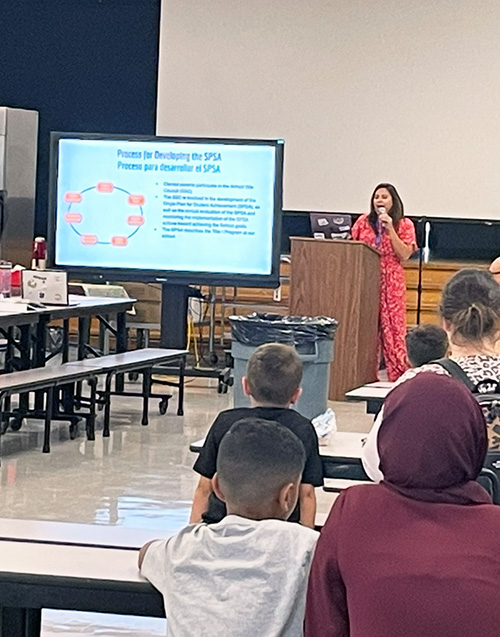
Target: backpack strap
455,371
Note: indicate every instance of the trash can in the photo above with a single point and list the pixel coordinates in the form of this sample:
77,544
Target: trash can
313,339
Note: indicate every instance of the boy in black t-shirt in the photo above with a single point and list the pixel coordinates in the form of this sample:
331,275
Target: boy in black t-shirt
274,373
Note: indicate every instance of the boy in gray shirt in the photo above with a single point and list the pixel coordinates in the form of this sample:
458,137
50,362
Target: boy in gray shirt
246,575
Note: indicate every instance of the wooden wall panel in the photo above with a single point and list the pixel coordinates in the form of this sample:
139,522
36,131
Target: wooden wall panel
435,275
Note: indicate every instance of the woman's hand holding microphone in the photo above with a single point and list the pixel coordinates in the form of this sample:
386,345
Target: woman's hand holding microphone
384,219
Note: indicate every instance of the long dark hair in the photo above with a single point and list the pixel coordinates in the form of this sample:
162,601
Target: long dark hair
396,212
470,303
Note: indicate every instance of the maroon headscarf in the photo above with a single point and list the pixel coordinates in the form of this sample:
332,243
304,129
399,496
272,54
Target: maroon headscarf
432,442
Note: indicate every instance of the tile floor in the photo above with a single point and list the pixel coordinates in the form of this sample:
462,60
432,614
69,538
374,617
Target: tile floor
139,477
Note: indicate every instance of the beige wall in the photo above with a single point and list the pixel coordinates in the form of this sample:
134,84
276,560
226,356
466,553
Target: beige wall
362,91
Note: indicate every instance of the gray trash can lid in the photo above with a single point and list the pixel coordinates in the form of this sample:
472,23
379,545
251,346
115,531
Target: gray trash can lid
259,328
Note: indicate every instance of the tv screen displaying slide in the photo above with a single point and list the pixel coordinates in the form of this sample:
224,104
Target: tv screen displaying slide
166,209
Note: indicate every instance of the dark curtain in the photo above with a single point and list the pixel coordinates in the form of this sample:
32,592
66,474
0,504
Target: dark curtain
85,65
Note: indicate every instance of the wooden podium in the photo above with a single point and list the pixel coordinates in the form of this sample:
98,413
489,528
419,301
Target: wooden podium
340,279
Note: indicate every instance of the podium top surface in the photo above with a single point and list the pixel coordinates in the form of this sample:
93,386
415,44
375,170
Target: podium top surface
336,241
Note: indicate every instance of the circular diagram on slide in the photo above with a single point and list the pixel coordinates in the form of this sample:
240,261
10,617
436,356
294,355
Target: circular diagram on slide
104,214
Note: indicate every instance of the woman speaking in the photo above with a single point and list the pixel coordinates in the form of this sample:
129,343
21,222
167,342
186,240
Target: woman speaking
393,235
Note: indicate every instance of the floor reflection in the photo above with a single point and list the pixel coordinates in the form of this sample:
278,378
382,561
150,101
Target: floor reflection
144,513
56,623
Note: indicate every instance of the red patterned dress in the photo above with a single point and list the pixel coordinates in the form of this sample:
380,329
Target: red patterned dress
392,313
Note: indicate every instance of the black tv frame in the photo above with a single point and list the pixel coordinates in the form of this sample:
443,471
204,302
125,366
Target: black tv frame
171,277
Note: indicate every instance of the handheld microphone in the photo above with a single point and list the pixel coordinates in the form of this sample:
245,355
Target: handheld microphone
380,211
380,229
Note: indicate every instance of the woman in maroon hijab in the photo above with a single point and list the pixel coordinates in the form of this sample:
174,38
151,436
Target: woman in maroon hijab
417,555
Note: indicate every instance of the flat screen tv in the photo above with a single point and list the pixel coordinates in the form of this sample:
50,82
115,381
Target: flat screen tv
166,209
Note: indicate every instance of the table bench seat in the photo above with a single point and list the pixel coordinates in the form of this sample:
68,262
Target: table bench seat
373,394
336,485
48,378
341,458
143,361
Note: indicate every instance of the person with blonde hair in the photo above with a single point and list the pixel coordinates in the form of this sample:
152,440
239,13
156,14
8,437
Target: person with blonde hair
470,314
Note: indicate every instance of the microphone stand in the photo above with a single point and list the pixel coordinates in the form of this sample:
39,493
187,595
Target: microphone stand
422,250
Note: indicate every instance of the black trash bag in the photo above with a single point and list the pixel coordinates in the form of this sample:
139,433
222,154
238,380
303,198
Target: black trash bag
260,328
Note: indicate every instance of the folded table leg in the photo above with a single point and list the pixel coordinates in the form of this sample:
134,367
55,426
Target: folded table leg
180,396
49,403
146,391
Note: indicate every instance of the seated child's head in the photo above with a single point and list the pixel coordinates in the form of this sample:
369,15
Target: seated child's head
426,343
259,467
274,373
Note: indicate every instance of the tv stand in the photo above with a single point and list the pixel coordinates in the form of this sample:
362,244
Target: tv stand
173,335
174,315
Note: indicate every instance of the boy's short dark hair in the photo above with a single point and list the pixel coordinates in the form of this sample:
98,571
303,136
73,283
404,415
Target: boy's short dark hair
257,458
274,373
426,343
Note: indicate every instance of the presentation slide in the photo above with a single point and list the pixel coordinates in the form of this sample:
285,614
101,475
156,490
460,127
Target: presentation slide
163,205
